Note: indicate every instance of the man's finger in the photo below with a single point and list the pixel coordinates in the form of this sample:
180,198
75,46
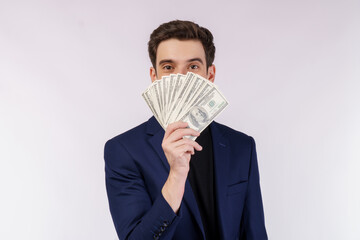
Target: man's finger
179,133
174,126
188,142
186,149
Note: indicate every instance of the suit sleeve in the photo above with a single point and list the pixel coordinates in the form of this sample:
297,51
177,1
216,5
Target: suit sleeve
253,216
134,214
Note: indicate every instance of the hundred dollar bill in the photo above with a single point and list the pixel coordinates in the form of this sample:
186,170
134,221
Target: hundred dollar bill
189,93
170,90
193,93
207,86
165,92
204,112
150,103
189,98
175,95
182,94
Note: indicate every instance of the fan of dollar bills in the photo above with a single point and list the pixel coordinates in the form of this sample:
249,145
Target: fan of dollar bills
189,98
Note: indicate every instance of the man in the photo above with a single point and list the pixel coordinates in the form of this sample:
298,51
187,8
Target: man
163,186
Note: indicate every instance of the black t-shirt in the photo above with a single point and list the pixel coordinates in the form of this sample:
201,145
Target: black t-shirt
201,177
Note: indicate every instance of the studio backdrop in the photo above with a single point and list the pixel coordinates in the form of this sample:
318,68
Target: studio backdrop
72,74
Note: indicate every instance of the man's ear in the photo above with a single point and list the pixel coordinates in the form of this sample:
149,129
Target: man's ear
153,74
211,73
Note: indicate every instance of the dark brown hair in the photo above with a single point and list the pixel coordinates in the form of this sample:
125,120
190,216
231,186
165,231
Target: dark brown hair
182,30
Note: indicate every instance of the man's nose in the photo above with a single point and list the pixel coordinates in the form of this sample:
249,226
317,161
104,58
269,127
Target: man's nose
182,70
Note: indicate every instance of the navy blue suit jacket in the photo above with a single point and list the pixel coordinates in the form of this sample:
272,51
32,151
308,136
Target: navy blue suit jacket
136,170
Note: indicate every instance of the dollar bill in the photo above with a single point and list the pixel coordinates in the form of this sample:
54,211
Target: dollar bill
203,113
189,98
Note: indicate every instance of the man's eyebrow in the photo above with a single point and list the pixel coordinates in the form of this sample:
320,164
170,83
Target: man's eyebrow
166,61
195,59
190,60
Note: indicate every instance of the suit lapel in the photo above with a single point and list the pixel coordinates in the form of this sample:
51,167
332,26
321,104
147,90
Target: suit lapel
221,166
155,142
154,129
190,201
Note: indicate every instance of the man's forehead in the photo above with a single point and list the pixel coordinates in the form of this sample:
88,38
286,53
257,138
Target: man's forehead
180,50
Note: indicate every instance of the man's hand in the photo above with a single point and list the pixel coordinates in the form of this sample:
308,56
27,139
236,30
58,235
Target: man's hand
178,151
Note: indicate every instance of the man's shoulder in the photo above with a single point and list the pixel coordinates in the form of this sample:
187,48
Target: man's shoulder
131,134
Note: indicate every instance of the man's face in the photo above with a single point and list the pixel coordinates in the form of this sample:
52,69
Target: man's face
181,56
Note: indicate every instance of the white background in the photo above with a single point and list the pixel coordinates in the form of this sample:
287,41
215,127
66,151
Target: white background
71,77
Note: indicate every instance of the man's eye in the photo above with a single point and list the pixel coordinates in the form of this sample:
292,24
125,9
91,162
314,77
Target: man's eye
194,66
167,67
